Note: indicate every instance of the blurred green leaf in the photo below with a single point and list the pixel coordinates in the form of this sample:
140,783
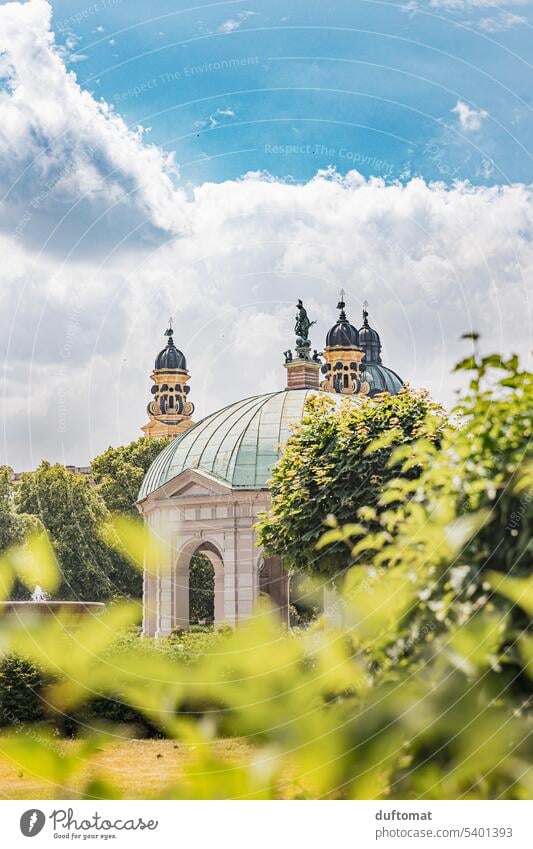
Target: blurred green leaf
518,590
35,563
136,542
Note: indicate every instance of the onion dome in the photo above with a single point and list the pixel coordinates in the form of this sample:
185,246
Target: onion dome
342,334
369,340
238,445
170,358
381,379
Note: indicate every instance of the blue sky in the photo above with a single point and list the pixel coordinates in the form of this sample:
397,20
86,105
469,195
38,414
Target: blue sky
217,163
292,87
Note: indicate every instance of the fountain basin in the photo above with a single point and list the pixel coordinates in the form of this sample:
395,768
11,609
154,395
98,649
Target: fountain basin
47,607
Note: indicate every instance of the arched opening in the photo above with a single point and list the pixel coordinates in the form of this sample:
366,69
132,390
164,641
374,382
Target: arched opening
201,590
199,586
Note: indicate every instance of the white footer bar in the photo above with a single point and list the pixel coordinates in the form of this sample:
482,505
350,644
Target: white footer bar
267,825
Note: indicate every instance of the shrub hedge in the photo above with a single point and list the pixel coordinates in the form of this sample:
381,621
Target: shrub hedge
23,685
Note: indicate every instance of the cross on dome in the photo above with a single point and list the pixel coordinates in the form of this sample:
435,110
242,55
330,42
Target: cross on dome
341,305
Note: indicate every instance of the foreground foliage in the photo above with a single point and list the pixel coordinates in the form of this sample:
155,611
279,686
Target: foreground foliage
422,692
463,526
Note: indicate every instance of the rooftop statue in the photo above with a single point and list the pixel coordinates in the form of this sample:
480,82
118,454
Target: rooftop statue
301,328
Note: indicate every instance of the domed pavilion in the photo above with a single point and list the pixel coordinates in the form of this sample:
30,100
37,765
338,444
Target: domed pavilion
203,493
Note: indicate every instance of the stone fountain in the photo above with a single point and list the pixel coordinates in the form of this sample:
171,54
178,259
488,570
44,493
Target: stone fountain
40,604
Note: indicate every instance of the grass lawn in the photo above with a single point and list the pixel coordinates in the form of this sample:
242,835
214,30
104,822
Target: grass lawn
138,768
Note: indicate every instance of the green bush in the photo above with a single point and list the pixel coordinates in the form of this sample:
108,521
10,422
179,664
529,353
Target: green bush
21,692
23,685
420,693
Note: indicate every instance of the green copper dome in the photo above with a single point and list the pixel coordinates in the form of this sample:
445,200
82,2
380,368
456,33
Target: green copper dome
238,445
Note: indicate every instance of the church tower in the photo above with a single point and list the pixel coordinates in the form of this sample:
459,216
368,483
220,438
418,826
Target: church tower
343,369
170,412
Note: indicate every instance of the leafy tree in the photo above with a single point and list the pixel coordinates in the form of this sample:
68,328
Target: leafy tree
336,461
421,697
71,511
9,529
463,526
14,526
118,472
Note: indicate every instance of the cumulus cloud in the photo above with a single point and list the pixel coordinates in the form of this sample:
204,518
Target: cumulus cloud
498,19
235,23
469,119
469,5
433,262
79,332
216,117
500,22
57,136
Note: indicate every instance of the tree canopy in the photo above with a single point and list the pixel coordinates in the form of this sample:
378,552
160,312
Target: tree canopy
72,512
14,526
72,509
422,692
336,461
461,529
118,472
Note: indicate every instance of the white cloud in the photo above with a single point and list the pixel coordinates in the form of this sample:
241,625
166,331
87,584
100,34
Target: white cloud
433,261
500,22
233,24
215,118
55,135
229,25
78,334
470,119
470,5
